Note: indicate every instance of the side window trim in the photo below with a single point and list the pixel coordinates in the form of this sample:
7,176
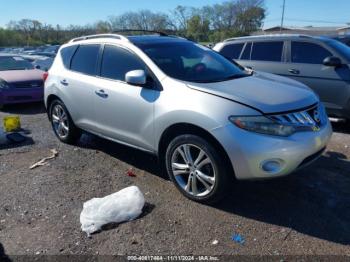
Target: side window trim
243,50
159,87
284,52
71,59
288,51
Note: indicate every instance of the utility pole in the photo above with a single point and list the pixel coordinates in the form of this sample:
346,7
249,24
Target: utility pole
282,20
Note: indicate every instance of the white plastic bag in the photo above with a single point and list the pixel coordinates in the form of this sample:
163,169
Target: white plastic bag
124,205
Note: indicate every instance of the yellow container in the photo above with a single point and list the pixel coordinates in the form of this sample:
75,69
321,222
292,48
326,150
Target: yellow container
12,123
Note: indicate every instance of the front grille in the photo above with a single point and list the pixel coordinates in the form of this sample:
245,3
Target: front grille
28,84
313,116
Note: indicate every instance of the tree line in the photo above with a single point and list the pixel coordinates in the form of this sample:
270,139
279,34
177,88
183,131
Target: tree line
209,23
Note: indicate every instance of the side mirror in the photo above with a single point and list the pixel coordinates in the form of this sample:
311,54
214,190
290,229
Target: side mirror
136,77
332,61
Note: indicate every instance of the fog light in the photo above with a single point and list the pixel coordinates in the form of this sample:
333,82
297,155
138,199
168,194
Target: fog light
272,166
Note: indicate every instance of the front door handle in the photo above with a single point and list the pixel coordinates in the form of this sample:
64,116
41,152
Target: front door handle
101,93
294,71
64,82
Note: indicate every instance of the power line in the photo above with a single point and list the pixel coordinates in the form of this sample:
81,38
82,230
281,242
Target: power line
283,9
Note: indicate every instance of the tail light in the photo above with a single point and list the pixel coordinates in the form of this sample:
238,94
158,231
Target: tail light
45,76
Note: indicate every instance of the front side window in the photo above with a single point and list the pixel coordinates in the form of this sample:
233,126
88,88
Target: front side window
191,62
232,51
116,62
8,63
308,53
85,59
267,51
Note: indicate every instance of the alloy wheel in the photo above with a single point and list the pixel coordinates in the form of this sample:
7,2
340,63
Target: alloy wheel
193,170
60,121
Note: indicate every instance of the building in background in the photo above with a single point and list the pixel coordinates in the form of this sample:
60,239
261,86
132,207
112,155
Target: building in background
308,30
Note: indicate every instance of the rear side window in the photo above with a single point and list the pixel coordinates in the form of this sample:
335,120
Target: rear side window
232,51
308,53
116,62
246,52
85,59
267,51
66,54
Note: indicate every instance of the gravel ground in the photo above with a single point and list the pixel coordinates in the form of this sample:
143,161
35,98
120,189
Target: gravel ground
307,213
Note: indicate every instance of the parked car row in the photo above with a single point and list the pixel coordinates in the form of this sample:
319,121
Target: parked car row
46,49
41,57
321,63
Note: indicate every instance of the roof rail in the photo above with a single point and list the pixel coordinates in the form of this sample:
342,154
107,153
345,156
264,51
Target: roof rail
140,30
115,36
268,36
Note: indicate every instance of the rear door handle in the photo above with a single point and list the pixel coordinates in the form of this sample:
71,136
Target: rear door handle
294,71
64,82
101,93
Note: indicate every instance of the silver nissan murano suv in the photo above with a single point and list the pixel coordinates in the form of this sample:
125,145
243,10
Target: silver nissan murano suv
207,118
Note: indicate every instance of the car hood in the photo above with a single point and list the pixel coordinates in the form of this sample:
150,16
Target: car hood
14,76
266,92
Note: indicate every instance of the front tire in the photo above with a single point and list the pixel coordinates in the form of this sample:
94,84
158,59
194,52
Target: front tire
62,123
197,169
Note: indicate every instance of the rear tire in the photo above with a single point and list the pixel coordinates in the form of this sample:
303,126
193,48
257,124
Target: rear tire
197,169
62,123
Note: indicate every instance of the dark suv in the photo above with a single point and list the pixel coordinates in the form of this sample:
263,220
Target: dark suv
319,62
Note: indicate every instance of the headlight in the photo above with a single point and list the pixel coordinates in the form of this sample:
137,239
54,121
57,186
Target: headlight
4,84
263,125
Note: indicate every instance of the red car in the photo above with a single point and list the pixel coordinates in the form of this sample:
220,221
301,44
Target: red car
20,81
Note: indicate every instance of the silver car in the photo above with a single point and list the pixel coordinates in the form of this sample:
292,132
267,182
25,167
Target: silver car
206,118
321,63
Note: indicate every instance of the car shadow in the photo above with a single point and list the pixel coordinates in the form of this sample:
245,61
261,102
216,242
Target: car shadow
137,158
3,256
10,145
24,109
313,201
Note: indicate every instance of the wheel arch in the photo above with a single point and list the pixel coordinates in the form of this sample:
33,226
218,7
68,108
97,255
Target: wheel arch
185,128
49,100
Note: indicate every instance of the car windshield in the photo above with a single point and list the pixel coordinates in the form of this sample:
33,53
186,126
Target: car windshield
341,48
191,62
14,63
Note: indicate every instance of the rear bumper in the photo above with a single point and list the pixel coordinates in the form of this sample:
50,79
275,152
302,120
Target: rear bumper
17,95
